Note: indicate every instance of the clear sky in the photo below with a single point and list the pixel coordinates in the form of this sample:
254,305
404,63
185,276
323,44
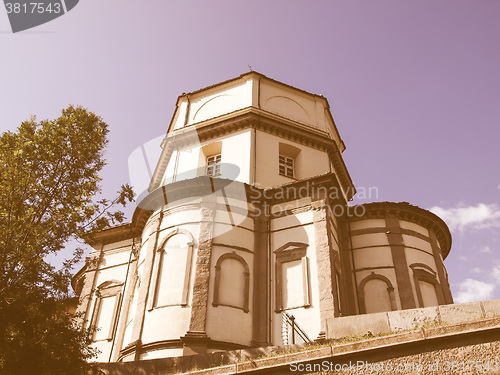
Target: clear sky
414,88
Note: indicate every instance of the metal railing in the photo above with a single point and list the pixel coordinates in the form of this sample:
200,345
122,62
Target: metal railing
289,321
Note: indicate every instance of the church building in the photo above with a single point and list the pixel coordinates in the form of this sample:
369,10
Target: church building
245,236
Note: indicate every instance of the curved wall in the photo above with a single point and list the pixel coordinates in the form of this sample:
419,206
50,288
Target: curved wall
192,279
397,257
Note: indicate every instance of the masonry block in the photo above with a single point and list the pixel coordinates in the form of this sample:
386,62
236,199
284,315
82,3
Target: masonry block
463,312
491,308
357,325
411,319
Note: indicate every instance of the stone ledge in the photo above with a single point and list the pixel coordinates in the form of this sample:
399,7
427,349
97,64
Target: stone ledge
463,312
491,308
357,325
401,329
340,352
252,361
403,320
412,319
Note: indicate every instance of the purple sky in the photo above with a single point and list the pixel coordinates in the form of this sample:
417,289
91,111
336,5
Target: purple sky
414,88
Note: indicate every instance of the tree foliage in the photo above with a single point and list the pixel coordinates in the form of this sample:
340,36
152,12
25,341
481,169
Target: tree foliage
49,177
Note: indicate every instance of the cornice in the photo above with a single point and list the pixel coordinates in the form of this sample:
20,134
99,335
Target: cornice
77,276
249,74
249,118
406,211
275,195
205,185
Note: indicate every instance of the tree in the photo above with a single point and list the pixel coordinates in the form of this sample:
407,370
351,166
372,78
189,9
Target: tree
48,180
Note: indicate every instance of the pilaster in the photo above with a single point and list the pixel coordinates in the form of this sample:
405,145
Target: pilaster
196,339
260,282
443,282
395,238
92,265
324,262
127,300
144,289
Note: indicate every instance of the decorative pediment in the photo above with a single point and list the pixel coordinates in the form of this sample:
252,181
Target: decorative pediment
291,250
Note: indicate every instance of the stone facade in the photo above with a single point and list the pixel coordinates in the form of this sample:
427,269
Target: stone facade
245,224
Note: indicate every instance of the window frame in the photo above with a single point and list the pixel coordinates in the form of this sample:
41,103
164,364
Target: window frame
246,286
292,251
422,272
361,291
108,289
214,165
287,163
155,288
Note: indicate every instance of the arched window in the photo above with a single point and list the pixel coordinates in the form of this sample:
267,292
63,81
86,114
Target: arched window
232,282
339,297
376,294
427,293
131,311
172,270
105,312
428,289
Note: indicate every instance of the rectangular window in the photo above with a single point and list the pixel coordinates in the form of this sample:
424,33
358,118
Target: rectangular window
292,281
105,313
213,165
286,166
105,318
292,277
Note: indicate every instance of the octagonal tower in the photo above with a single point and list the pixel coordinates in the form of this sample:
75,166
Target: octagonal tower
245,226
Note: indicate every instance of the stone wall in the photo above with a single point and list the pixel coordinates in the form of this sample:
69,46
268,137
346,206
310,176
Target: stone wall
480,358
397,321
444,349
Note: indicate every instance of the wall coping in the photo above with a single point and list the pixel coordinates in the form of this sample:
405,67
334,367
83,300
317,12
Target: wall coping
277,359
401,320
